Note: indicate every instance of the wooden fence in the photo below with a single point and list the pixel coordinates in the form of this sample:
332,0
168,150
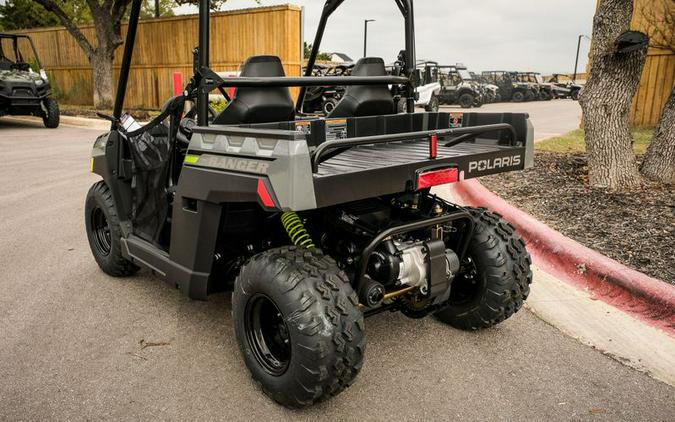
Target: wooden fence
164,46
658,76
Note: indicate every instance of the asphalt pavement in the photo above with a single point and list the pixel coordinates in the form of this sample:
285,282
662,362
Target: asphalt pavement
550,118
76,344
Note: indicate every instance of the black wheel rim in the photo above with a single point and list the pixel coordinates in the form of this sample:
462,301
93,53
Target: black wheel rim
101,231
267,335
468,285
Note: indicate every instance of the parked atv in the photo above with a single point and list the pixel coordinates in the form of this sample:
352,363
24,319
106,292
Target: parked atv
566,87
458,87
492,94
312,223
510,89
429,88
24,87
547,91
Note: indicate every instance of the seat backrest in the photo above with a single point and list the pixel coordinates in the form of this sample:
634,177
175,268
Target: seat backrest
370,100
259,105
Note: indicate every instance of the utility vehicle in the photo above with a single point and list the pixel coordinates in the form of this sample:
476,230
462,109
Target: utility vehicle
429,86
312,223
510,89
566,88
459,87
492,94
547,91
24,86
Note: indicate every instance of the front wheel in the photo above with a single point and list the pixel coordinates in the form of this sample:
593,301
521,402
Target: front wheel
298,325
433,105
466,101
104,232
495,276
52,115
518,97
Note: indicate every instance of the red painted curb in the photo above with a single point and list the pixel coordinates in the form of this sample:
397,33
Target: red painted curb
648,299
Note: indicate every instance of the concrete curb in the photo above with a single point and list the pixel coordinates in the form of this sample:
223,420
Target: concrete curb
648,299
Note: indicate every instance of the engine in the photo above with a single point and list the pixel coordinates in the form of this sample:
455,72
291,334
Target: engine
417,260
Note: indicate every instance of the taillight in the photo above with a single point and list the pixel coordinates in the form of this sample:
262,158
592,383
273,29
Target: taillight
264,195
437,177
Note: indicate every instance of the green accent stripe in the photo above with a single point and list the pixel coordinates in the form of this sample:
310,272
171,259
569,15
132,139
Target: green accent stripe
191,159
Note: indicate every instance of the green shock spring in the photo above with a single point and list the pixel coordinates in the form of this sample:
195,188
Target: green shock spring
296,230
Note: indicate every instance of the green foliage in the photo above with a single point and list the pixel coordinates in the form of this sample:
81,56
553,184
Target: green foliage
574,142
21,14
320,56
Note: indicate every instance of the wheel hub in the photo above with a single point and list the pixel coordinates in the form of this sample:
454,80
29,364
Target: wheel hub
268,335
101,231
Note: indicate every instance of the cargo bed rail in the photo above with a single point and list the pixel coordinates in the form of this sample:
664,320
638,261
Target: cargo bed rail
465,134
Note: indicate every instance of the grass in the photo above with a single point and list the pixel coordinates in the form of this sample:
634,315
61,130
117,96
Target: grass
573,142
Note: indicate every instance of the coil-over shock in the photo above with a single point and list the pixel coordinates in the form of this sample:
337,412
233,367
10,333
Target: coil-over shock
296,230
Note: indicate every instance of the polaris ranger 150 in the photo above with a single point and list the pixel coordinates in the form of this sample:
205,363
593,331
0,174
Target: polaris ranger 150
24,91
313,224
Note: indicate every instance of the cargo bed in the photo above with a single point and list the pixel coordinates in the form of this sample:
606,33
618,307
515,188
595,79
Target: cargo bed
357,158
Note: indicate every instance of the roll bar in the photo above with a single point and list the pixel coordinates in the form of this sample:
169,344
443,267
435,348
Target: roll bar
205,80
406,8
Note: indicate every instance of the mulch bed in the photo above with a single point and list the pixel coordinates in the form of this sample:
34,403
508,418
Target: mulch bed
636,228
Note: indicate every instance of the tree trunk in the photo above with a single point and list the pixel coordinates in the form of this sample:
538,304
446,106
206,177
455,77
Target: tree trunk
607,97
102,67
659,162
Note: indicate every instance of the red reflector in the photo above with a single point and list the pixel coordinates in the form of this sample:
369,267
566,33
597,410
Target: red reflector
264,195
437,177
433,146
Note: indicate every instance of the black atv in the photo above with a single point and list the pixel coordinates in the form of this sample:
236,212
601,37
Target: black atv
312,223
510,89
24,87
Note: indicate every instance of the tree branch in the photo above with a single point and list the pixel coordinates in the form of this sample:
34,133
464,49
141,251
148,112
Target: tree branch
67,21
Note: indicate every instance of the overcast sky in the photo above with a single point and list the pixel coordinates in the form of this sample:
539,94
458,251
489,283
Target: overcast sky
535,35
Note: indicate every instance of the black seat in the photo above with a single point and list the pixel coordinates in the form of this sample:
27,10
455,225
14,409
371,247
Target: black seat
259,105
370,100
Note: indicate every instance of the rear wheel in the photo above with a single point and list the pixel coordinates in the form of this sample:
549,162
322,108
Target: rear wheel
495,278
518,97
52,115
530,96
104,233
466,100
298,325
575,95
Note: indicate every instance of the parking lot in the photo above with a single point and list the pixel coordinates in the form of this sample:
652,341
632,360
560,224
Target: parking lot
77,344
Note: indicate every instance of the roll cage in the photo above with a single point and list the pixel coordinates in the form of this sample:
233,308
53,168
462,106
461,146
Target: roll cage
15,47
205,80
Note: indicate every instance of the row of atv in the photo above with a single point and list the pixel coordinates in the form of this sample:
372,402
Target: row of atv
453,85
530,86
